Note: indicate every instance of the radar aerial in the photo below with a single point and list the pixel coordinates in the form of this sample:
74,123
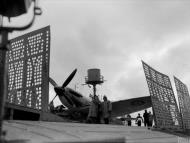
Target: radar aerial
93,78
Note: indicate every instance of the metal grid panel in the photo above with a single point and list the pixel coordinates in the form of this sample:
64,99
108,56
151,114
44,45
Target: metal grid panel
184,102
1,21
28,66
163,99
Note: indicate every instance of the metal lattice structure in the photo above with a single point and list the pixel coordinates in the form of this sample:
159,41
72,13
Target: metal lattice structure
1,20
28,70
184,102
163,100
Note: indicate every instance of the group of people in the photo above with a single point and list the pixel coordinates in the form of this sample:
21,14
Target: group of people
148,119
99,110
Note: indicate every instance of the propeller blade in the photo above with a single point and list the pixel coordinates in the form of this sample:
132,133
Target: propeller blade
59,92
53,82
67,81
54,98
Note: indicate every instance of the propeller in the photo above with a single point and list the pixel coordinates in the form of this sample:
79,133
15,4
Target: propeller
67,81
61,89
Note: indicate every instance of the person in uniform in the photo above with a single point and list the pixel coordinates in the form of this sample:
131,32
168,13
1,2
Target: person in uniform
128,120
106,110
150,116
93,110
139,119
146,118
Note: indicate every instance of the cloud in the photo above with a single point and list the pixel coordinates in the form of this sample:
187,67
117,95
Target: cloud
177,60
115,36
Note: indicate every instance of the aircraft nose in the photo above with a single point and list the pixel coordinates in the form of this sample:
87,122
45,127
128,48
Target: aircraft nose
59,90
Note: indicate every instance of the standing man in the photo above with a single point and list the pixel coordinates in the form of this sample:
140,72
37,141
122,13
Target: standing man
106,110
129,120
139,119
150,120
93,110
146,117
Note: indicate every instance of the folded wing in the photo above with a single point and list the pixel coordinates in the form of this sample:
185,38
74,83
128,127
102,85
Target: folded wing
128,106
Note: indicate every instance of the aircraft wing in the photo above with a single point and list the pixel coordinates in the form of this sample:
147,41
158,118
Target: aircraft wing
128,106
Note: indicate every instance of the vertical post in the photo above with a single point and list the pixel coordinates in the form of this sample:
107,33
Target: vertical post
3,75
94,89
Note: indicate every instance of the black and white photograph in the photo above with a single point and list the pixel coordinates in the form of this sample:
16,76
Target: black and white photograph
94,71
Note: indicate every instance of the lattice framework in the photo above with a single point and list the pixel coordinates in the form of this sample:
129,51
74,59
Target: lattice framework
163,100
184,102
28,70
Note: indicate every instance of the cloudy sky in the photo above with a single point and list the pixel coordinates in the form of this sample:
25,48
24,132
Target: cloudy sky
115,35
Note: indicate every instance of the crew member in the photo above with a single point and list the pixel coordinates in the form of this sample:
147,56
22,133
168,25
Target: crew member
106,110
128,120
93,110
139,119
146,117
150,120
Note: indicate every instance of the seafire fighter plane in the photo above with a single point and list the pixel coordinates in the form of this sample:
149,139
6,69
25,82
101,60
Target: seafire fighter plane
77,105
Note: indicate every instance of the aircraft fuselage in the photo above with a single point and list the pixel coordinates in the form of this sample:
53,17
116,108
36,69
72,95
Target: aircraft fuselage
71,99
